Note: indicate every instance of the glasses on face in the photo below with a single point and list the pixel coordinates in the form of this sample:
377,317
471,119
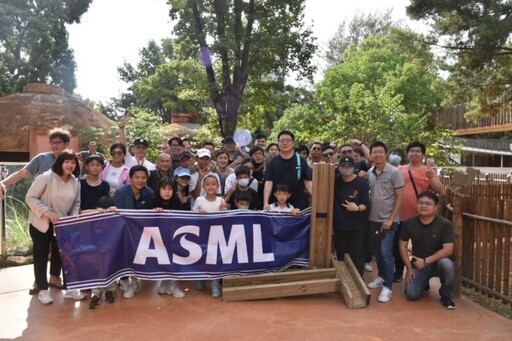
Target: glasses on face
328,154
55,142
285,140
425,203
116,153
349,151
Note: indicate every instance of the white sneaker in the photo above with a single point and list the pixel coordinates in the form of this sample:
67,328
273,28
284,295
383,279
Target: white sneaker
132,289
123,284
376,283
385,295
162,288
74,294
368,267
45,297
174,289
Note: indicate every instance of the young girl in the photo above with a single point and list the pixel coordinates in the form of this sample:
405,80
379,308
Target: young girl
92,188
210,202
166,199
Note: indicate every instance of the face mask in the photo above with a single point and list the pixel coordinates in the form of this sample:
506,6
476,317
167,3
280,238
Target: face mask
243,182
243,207
395,159
346,171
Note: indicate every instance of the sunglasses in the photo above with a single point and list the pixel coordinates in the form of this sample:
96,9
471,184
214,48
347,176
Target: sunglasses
115,153
328,154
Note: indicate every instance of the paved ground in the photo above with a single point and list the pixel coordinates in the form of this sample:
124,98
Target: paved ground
149,316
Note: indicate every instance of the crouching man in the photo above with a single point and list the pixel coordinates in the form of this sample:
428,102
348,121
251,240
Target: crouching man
432,239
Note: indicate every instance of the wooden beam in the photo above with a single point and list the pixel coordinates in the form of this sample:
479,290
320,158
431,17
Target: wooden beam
358,280
483,130
349,288
279,277
300,288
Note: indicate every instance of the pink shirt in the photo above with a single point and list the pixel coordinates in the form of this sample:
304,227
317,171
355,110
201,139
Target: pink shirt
409,206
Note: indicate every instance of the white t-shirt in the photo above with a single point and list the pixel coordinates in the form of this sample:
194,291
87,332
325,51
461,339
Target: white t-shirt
193,181
274,207
113,176
209,206
231,179
130,161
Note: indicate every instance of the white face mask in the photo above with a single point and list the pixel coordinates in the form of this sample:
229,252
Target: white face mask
346,171
395,159
243,182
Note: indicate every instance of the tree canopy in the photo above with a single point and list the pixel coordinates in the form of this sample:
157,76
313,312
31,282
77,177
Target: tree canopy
476,36
34,43
239,42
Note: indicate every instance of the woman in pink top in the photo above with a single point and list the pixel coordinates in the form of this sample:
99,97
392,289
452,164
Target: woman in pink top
115,172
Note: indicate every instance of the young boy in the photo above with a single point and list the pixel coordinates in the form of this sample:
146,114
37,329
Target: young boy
242,184
282,194
243,200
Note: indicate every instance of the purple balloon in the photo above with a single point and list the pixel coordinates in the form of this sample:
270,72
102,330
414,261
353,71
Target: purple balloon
205,56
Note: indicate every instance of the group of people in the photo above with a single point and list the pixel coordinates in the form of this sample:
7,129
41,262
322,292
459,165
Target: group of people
274,177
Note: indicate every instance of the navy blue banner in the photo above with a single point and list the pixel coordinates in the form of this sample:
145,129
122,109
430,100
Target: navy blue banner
99,248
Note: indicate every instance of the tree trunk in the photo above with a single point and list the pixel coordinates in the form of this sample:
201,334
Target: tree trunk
227,105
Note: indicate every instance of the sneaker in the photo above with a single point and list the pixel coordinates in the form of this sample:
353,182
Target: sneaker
216,288
109,297
34,290
55,282
385,295
376,283
162,288
123,284
174,289
74,294
132,289
200,285
368,267
45,297
448,303
95,301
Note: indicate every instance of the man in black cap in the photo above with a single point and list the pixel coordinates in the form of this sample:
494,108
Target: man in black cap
236,156
140,148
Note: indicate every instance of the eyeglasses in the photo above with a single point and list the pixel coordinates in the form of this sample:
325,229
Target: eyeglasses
55,143
425,203
285,141
116,152
347,152
328,154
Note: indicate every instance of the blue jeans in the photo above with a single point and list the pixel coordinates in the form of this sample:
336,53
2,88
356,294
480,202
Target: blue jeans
384,253
443,268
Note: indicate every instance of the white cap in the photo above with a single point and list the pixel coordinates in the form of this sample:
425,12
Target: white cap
203,152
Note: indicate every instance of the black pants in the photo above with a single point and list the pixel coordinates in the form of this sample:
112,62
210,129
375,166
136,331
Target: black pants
42,242
351,242
399,263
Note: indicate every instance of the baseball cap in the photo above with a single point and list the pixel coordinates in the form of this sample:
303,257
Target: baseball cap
346,159
142,141
184,153
203,152
228,139
182,171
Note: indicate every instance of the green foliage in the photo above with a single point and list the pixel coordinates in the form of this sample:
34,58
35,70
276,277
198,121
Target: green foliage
17,224
247,40
147,125
475,36
34,43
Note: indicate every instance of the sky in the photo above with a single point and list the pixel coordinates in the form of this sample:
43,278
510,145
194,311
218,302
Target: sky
114,31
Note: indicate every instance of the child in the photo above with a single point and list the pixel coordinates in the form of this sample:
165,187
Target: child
282,194
243,200
210,202
166,199
92,188
243,179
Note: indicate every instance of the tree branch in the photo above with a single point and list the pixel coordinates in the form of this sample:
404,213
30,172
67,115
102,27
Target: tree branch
244,63
221,33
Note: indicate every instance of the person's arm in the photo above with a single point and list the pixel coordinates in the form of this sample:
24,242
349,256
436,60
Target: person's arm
365,150
267,191
402,246
445,251
308,185
436,184
399,193
12,179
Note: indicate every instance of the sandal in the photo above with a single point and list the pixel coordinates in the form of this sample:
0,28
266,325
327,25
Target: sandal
55,282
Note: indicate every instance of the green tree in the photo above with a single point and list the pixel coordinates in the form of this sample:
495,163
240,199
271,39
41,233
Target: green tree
476,38
34,43
238,41
353,32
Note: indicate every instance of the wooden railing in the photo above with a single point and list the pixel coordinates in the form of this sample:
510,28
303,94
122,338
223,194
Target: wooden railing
482,218
489,144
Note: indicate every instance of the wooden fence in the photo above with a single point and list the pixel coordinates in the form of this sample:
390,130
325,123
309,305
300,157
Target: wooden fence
482,218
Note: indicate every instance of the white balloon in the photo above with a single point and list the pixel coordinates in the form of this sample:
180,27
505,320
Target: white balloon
242,137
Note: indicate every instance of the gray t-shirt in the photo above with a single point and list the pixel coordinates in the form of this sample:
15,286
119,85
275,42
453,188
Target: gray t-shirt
40,163
382,190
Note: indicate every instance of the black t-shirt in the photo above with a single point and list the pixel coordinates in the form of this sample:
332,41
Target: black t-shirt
356,191
89,195
154,178
427,239
172,204
255,203
281,171
360,166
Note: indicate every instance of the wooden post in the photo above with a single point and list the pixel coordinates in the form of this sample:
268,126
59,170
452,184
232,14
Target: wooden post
321,216
458,223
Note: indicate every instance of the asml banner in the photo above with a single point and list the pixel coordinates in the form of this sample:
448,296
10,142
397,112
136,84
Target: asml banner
99,248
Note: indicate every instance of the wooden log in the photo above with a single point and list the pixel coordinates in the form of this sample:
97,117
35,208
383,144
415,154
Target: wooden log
358,280
300,288
349,287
